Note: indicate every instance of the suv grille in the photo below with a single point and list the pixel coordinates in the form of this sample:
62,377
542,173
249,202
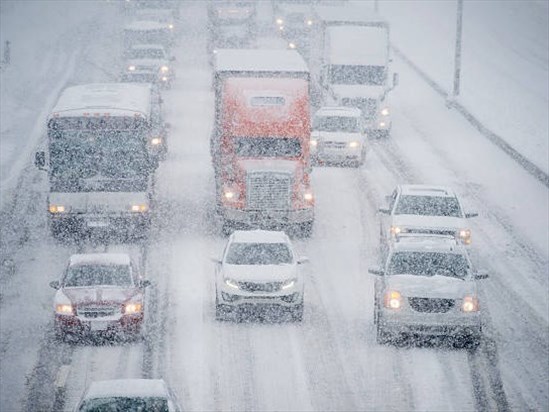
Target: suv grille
260,287
431,305
96,312
268,190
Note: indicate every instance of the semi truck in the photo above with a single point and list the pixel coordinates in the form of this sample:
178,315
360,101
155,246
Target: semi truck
260,142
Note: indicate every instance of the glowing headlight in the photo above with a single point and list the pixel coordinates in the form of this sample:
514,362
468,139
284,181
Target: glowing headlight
281,28
133,307
230,195
313,143
292,45
155,141
64,309
231,283
395,230
164,79
393,299
308,196
385,111
465,236
139,207
170,26
309,22
354,144
57,209
164,69
469,304
279,21
382,124
131,68
289,283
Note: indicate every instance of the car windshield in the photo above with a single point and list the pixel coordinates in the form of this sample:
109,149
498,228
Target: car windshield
428,206
428,264
123,404
336,124
98,275
146,54
258,254
267,147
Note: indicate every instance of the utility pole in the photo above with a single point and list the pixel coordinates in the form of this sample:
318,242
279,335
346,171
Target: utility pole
457,59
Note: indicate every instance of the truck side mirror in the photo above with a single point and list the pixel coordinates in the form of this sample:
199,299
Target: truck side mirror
40,160
395,79
55,284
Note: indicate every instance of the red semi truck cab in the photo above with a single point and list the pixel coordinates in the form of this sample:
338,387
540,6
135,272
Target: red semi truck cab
260,146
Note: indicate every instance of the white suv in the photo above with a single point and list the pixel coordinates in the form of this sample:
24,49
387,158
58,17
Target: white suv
427,286
424,209
338,136
259,269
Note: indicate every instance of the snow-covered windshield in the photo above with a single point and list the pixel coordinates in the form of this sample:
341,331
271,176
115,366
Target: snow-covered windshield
428,264
258,254
122,404
267,147
336,124
147,54
428,206
355,74
97,275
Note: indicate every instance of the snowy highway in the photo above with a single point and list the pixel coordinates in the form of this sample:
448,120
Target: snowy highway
328,362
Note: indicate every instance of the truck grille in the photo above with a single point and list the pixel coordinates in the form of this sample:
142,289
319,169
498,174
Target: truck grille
268,190
96,312
260,287
431,305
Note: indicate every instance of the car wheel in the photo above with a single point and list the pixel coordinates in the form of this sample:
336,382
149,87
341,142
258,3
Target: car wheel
296,312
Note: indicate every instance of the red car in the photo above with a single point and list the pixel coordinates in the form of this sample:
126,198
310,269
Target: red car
99,294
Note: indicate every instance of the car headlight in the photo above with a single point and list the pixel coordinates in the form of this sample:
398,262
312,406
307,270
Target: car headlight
279,21
465,236
289,283
131,308
308,196
309,22
354,144
164,69
292,45
170,26
469,304
139,207
393,299
155,141
230,194
385,111
64,309
231,283
131,68
53,208
313,143
395,230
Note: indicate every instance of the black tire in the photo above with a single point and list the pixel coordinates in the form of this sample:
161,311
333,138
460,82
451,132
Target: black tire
296,312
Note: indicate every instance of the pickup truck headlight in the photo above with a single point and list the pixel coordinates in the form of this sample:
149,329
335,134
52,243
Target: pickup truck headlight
139,207
131,308
231,283
393,299
289,283
469,304
64,309
171,26
131,68
54,209
465,236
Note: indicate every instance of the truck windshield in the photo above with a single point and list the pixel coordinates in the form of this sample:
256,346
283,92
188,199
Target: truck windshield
267,147
349,74
336,124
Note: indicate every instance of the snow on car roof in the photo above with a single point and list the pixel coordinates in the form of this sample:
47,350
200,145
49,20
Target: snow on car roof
427,243
426,190
122,99
121,259
145,25
127,388
339,111
259,236
343,41
259,60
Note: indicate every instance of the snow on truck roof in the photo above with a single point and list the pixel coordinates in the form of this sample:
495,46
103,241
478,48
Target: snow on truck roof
373,50
119,259
336,16
117,99
258,60
127,388
259,236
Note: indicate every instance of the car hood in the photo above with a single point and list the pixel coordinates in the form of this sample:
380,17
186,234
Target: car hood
337,136
269,165
354,91
435,222
259,273
99,295
443,287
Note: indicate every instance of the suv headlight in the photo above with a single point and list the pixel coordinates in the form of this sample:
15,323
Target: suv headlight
131,68
164,69
395,230
155,141
279,21
231,283
131,308
139,207
469,304
313,143
54,209
465,236
64,309
354,144
393,299
230,194
385,111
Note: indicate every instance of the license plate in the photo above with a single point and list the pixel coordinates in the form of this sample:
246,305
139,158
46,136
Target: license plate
97,223
98,325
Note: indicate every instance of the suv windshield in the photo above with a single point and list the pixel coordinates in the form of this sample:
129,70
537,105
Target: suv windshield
98,275
336,124
428,264
147,54
123,404
258,254
428,206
